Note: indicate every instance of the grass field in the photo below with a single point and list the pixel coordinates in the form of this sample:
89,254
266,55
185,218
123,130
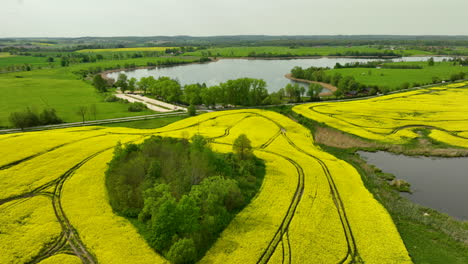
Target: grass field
124,49
394,78
59,88
306,193
300,51
5,54
20,60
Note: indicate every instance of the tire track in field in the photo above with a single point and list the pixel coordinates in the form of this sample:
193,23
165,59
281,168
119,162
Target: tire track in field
352,252
398,128
58,246
352,255
284,226
17,162
281,234
69,236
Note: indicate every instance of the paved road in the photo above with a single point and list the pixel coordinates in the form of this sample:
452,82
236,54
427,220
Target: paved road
153,104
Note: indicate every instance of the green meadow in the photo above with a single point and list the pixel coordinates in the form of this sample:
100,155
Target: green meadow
61,89
6,60
299,51
394,78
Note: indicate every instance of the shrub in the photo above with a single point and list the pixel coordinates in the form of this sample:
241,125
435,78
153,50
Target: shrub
183,251
30,118
136,107
112,98
192,111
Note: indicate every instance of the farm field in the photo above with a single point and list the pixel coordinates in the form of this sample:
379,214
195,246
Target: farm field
394,78
7,60
307,193
299,51
124,49
396,118
63,90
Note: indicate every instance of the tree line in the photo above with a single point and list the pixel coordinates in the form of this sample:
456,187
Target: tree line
239,92
31,118
181,193
349,86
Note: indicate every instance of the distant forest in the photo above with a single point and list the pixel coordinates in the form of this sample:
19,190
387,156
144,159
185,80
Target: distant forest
240,40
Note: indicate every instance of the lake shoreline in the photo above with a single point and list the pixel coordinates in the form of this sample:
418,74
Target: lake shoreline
327,86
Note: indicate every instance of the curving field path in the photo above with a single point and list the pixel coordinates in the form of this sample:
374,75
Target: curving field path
311,208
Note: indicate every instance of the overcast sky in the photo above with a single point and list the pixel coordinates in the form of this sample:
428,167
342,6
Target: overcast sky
76,18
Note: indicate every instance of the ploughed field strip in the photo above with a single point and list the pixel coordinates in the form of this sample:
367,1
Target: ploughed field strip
399,118
311,208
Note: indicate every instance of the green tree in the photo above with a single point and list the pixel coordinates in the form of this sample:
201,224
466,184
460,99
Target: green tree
192,110
48,116
64,62
242,147
208,96
163,223
146,83
132,84
100,83
27,118
183,252
187,213
193,94
81,111
93,111
430,61
122,82
314,91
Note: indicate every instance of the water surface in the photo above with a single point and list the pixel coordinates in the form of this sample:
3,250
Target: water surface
438,183
272,71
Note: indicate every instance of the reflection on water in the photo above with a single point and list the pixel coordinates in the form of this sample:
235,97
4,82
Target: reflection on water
438,183
272,71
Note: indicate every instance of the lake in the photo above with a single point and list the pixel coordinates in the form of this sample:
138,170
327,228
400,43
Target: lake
438,183
272,71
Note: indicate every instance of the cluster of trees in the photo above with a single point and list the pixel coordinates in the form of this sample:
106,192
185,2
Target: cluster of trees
369,64
347,85
16,68
460,61
269,54
30,118
402,66
380,54
376,64
182,194
84,110
296,92
244,91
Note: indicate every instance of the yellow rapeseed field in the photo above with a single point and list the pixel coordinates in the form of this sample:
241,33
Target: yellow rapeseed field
394,118
311,208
